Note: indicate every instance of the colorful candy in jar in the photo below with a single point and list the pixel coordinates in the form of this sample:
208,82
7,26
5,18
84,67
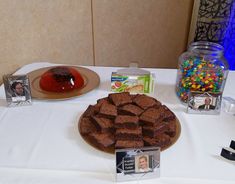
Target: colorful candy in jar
197,74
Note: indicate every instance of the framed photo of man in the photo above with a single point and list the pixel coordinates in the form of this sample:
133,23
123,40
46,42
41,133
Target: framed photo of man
204,103
137,164
17,90
143,163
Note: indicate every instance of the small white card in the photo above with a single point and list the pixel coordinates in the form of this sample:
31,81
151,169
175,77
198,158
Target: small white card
137,164
229,105
17,89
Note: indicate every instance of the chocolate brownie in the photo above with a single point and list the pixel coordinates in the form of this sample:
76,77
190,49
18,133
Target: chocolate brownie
119,99
128,134
102,101
122,120
155,130
145,102
133,96
152,116
125,121
129,144
91,111
171,128
108,110
161,140
86,126
103,124
130,109
102,140
168,114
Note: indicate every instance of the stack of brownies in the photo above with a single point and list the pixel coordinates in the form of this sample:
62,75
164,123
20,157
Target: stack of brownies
122,120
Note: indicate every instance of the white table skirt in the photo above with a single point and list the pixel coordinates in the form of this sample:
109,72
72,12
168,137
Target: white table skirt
41,142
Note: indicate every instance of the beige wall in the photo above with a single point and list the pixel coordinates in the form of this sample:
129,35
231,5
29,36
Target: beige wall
93,32
153,32
58,31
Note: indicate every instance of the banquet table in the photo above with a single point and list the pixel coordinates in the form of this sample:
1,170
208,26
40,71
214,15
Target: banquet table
40,143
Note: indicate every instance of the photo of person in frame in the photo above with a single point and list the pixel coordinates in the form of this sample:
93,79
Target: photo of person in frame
17,88
143,164
204,103
207,104
19,91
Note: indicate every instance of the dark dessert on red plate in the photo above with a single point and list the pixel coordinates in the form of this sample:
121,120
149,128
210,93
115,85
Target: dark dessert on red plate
122,120
61,79
62,82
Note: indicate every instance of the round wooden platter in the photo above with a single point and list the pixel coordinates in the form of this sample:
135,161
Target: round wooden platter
111,149
91,79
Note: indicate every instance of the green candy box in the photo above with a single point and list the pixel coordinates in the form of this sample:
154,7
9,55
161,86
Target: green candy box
133,80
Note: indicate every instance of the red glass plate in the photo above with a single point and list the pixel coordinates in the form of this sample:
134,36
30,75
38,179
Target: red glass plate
91,81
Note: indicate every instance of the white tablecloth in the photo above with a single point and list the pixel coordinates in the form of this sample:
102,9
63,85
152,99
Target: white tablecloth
41,143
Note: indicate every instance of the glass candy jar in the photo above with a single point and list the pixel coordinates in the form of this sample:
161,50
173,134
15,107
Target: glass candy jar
201,68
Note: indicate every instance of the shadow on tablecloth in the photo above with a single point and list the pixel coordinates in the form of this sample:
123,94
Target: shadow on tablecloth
3,103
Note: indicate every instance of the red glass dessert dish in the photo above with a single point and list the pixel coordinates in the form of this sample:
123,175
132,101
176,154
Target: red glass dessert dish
61,79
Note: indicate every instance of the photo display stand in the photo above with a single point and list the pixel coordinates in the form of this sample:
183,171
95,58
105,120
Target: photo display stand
17,90
204,103
137,164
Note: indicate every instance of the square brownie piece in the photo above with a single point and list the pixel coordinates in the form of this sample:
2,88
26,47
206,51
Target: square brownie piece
130,109
153,131
103,124
145,101
108,110
102,140
125,121
86,126
119,99
168,114
133,96
101,101
129,144
162,140
152,116
91,111
128,134
171,128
